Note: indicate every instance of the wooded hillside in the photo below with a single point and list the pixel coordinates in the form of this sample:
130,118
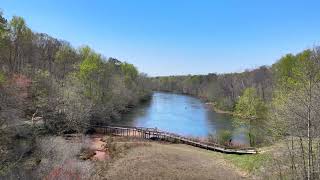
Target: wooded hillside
46,81
61,84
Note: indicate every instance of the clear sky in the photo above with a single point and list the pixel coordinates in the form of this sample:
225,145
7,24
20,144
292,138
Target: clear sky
170,37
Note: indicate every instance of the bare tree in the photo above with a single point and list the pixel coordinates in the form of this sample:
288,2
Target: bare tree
299,105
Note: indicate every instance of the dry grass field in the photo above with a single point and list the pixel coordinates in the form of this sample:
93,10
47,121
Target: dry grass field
133,159
170,161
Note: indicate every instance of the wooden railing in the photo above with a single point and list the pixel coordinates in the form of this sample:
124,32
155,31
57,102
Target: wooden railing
152,133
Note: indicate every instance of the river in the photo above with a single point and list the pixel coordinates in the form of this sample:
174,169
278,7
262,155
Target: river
184,115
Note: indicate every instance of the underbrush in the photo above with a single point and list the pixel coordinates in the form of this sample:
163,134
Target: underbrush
86,153
118,146
53,157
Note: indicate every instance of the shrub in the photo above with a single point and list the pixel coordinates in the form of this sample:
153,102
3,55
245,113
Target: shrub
224,137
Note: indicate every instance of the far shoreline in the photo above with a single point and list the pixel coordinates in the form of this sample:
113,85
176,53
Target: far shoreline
217,110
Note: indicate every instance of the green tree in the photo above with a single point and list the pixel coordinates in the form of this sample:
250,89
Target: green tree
3,25
90,72
130,73
65,58
253,111
224,137
21,37
250,105
4,40
129,70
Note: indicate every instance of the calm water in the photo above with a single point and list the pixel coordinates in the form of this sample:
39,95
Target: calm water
182,114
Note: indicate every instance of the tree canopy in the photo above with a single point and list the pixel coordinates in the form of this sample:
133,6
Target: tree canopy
250,105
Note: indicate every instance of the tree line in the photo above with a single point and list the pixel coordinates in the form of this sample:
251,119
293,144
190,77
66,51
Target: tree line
222,89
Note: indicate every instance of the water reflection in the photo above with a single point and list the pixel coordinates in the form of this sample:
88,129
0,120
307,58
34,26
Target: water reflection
183,115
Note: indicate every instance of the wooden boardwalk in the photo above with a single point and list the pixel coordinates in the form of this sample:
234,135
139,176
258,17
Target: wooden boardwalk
152,133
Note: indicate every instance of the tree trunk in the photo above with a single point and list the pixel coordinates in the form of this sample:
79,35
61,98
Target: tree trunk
303,158
309,132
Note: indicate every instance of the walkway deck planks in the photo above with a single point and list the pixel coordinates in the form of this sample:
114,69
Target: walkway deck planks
152,133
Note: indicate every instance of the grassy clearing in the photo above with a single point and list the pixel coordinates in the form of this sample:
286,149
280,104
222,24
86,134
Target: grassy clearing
153,160
248,163
156,160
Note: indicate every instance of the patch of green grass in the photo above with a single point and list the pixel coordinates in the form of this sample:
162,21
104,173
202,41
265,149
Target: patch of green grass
248,163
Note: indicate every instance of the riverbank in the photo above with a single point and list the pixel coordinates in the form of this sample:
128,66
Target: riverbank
217,110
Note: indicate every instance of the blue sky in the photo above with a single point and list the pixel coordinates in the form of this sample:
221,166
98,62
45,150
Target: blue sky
170,37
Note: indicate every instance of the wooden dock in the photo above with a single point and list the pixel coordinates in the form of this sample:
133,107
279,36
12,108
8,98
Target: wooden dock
152,133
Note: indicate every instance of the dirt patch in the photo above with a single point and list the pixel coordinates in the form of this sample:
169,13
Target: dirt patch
99,147
95,148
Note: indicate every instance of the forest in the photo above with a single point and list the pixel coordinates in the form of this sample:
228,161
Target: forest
46,81
222,89
49,87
